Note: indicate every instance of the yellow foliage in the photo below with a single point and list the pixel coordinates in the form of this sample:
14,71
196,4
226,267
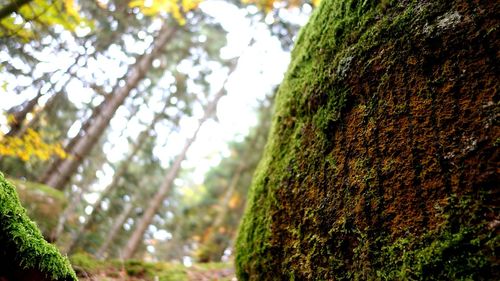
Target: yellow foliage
21,25
11,119
234,202
71,8
268,5
316,2
177,8
30,146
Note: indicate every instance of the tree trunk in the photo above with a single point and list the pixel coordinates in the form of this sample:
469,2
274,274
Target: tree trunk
122,169
115,229
68,211
158,198
19,127
221,215
20,115
59,175
14,6
164,189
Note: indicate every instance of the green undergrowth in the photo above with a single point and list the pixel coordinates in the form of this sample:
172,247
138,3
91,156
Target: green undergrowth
86,266
23,247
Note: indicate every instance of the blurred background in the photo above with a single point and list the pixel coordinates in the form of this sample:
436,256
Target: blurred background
132,128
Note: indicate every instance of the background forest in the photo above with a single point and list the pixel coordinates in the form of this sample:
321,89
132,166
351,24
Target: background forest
132,129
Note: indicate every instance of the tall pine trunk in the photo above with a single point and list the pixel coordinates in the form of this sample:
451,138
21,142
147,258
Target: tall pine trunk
164,189
121,170
59,174
115,230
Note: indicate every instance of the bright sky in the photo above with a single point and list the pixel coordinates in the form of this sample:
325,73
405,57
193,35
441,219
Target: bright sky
260,68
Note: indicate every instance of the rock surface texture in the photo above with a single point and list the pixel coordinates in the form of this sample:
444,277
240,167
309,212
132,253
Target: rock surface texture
383,159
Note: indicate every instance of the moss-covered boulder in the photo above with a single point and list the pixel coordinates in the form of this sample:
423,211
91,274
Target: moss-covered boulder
24,254
43,204
382,163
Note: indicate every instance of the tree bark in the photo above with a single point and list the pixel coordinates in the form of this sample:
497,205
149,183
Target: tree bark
164,189
59,175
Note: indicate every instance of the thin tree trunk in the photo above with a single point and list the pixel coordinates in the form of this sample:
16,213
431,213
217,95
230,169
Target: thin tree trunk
221,216
60,174
165,187
14,6
68,211
115,229
121,170
18,128
242,166
38,114
20,115
71,144
158,198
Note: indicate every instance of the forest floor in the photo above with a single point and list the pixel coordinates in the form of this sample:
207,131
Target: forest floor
133,270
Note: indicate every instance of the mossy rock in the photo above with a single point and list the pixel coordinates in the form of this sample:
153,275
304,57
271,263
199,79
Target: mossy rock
43,204
382,162
24,254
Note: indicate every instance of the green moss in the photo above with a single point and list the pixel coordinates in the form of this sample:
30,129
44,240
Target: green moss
38,187
23,247
163,271
43,203
367,137
83,261
85,265
460,249
309,92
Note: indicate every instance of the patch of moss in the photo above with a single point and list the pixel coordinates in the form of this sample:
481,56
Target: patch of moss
85,265
43,203
462,248
23,247
38,187
380,118
85,262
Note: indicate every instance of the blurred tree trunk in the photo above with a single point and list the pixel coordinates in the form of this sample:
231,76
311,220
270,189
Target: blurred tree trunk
220,218
164,189
121,170
70,210
115,229
19,125
20,114
37,115
14,6
58,174
245,165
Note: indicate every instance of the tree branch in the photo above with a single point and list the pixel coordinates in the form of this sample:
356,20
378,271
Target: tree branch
14,6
